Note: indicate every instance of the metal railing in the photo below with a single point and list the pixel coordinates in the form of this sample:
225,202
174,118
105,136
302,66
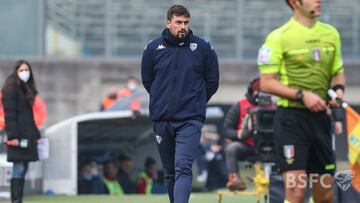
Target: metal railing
236,28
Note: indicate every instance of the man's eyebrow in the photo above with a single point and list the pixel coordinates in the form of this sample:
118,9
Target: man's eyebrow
180,21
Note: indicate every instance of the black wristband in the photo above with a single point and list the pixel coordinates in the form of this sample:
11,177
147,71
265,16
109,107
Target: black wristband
338,86
299,96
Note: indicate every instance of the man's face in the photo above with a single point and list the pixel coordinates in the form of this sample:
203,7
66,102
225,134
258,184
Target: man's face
309,8
178,26
151,171
126,166
110,171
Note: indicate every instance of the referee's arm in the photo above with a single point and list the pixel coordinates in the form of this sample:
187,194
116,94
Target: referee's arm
339,79
269,83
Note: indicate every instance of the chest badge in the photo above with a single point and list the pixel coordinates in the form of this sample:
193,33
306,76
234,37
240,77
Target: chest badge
316,54
193,46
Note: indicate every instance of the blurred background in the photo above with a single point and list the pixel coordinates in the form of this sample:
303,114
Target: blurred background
80,50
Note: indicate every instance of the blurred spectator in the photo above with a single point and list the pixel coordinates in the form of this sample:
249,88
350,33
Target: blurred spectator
112,185
201,162
131,86
145,179
115,95
159,184
90,179
211,161
109,100
124,174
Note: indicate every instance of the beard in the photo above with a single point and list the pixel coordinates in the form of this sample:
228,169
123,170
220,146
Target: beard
181,34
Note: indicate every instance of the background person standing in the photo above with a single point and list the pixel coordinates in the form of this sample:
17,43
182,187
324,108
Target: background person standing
19,92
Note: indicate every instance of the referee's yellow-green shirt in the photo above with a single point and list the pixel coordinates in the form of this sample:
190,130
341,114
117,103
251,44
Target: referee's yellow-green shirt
305,58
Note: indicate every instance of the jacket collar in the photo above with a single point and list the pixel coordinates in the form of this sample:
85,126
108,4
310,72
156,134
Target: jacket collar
168,37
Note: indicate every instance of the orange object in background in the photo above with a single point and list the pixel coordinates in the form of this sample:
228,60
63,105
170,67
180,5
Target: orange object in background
39,110
135,105
2,115
353,133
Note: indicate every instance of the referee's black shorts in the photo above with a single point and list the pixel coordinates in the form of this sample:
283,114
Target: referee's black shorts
303,141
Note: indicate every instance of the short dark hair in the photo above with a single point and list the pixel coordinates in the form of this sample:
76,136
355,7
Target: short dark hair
123,158
149,161
177,10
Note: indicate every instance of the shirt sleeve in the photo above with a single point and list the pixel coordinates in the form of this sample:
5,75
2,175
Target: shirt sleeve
211,74
231,120
147,68
338,65
9,104
270,55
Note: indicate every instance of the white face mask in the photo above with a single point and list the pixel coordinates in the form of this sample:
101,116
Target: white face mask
24,75
132,86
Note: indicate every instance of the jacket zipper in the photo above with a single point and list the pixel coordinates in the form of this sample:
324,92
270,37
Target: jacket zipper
172,104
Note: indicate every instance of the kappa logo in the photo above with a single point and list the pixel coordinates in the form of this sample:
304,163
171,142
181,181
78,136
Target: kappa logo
158,139
343,179
160,47
193,46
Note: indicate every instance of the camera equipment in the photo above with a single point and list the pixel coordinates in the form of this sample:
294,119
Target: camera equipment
263,132
259,123
263,99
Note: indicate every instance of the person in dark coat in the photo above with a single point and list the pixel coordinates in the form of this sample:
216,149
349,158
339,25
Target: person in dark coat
180,71
125,164
19,93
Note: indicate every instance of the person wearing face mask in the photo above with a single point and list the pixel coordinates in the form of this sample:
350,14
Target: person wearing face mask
115,95
130,88
180,71
299,62
19,92
90,180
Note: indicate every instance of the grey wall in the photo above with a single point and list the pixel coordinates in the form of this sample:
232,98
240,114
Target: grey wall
75,86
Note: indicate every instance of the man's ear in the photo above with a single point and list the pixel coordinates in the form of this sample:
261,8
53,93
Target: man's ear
297,3
167,22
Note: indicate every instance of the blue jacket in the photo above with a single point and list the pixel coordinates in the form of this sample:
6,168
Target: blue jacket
180,76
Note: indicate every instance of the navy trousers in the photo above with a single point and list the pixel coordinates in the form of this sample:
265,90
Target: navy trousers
178,145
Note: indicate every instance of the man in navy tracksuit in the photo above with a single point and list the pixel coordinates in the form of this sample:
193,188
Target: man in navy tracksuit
180,71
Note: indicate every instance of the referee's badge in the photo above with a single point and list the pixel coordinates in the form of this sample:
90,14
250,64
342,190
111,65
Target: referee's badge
264,56
316,54
289,153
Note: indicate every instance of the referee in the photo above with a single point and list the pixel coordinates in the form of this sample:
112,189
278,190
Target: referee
299,62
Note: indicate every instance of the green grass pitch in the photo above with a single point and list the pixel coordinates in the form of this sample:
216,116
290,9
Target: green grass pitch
195,198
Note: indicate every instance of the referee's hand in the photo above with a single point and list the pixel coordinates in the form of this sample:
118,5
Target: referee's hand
336,101
313,102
